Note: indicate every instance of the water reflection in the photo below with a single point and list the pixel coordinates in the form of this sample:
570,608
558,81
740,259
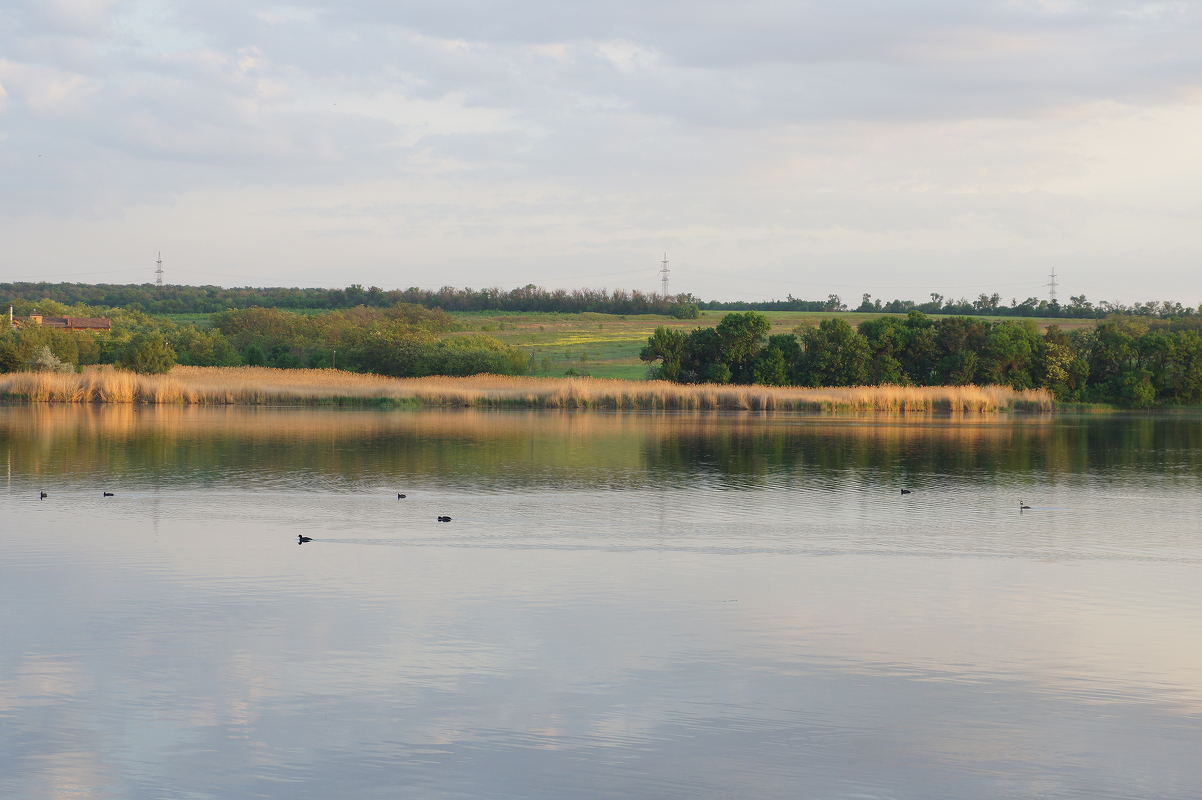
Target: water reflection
71,446
624,605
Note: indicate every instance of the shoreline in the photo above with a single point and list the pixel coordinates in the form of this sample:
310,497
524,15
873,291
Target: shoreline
256,386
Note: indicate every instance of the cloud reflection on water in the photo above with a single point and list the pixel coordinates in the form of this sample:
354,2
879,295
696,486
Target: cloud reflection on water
679,637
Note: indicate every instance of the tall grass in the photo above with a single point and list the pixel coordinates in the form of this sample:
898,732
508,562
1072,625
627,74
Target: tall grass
265,386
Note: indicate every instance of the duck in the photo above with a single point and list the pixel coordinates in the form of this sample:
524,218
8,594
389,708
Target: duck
444,519
302,539
907,491
1023,506
44,496
107,494
400,496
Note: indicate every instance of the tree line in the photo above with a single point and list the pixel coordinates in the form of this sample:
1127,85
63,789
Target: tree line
1128,360
1078,307
176,299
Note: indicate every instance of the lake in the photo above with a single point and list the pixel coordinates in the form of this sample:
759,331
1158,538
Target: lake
623,605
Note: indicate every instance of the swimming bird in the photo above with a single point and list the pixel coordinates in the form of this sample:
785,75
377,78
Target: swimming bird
1023,506
108,494
302,539
44,496
444,519
906,491
400,497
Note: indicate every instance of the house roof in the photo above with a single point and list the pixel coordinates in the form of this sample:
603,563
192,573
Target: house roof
76,323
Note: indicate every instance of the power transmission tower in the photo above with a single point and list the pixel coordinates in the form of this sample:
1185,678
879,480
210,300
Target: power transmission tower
1052,287
158,274
663,276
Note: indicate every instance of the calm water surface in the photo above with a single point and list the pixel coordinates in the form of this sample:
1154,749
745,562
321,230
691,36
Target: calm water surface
624,605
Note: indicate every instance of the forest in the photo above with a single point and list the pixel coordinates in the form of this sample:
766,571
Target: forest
1132,361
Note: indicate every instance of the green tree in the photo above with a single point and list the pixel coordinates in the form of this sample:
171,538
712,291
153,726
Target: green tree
778,361
1066,370
666,345
284,357
718,373
888,339
770,369
1115,364
959,355
741,336
254,356
835,355
10,355
200,348
1012,354
960,369
63,344
1136,389
147,354
703,353
1183,380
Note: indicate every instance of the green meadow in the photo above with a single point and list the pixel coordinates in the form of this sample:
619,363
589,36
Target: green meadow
608,345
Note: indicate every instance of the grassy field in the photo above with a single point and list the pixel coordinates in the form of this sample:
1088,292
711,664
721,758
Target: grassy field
306,387
608,345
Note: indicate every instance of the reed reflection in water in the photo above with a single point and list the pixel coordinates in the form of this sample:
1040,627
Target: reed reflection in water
625,605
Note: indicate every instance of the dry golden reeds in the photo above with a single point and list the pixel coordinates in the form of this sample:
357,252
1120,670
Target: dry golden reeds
265,386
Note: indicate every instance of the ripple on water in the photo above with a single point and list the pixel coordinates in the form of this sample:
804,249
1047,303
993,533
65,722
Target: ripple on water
641,606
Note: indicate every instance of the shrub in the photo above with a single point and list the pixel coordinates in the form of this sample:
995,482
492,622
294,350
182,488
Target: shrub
472,355
45,361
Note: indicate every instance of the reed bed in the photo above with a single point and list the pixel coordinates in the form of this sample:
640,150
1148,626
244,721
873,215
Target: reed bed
265,386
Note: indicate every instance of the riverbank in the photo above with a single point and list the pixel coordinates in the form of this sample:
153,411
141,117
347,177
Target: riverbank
265,386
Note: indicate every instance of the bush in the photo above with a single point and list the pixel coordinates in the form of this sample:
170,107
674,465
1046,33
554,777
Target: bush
472,355
45,361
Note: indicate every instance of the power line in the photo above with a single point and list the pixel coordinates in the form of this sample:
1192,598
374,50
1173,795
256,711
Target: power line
786,282
73,274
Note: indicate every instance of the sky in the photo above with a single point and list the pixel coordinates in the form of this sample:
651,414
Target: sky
767,148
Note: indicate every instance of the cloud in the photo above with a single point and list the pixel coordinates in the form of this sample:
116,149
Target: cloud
47,93
772,131
35,18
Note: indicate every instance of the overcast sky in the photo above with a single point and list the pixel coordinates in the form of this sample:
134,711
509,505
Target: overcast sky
770,148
